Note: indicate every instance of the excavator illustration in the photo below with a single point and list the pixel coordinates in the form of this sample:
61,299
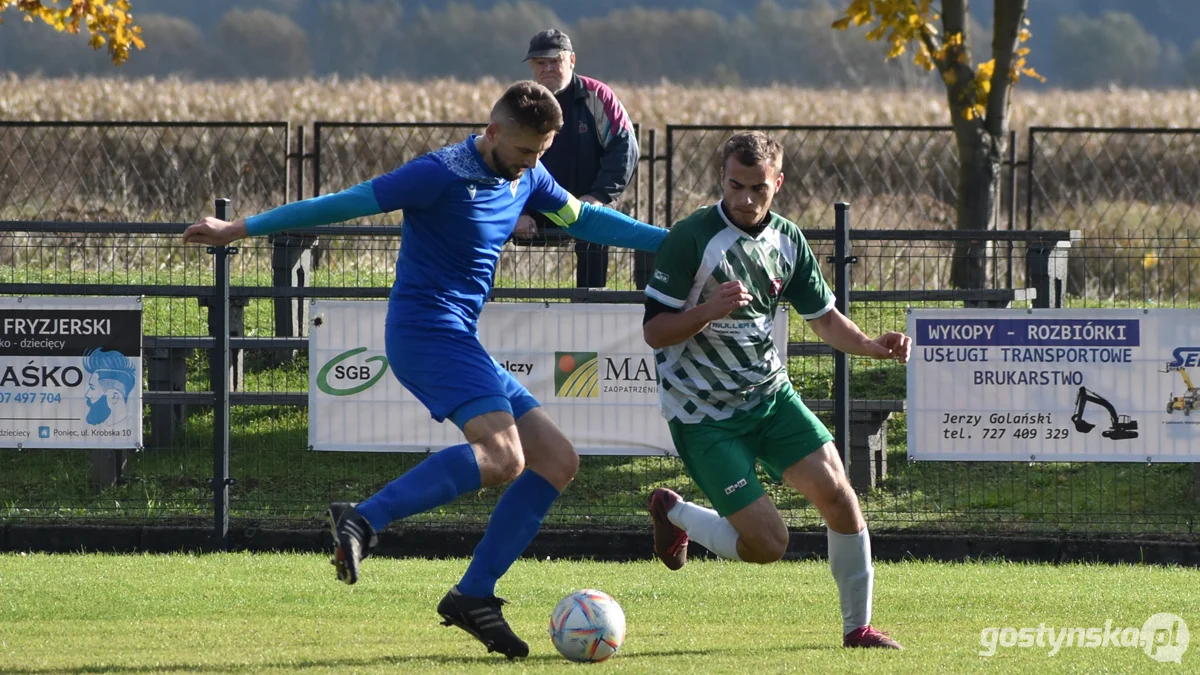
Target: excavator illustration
1122,427
1190,400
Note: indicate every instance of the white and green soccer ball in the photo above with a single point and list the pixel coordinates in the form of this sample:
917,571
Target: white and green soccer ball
587,625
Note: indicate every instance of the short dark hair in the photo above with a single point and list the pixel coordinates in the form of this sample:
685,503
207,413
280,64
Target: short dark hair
752,148
531,106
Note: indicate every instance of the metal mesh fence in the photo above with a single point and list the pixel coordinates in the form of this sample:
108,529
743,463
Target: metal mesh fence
1133,194
895,179
97,174
138,171
999,498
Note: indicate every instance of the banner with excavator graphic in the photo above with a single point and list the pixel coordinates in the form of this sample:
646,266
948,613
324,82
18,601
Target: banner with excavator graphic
1099,385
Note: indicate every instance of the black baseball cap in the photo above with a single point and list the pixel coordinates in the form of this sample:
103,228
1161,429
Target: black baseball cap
548,44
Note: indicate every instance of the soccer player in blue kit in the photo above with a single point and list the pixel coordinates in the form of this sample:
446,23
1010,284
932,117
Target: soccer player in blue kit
460,206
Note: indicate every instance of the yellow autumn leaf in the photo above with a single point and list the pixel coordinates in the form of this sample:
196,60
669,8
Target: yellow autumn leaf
904,23
107,22
1033,73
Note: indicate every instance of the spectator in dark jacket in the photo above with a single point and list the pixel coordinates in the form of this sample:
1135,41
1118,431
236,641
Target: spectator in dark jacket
594,156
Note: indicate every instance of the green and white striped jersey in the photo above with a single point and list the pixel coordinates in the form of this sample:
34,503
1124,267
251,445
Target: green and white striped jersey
732,364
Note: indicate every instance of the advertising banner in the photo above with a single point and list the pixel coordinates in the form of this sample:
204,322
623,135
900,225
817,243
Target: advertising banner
70,372
1104,385
586,363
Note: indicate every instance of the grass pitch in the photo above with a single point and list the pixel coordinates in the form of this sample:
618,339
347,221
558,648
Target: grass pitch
233,613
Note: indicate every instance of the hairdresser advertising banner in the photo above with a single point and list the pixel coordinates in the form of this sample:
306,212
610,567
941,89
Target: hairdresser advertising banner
70,373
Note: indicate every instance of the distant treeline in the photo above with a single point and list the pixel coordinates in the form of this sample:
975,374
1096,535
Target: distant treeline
632,41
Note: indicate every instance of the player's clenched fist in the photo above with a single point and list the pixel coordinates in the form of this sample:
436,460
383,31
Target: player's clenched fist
730,296
214,232
893,345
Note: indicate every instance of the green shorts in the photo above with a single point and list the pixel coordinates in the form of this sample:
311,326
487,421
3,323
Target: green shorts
720,456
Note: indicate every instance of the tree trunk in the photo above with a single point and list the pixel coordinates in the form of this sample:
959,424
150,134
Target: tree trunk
980,141
978,187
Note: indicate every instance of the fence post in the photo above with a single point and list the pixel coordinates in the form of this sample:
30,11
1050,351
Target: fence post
1046,271
291,267
218,372
292,261
643,262
167,372
1013,164
1030,192
108,467
667,205
841,261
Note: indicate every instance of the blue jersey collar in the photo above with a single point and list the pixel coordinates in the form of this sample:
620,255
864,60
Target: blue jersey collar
463,160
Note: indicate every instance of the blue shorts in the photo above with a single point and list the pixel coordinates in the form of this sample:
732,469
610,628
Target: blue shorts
451,374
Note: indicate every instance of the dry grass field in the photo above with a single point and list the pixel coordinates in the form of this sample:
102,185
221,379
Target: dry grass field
304,101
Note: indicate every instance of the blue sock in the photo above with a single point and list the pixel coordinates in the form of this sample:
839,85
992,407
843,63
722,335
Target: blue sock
446,474
514,523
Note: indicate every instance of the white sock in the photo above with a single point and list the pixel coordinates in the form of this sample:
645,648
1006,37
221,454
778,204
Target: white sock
850,561
706,527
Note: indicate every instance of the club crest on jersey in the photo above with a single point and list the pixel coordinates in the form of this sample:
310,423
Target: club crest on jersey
776,287
471,190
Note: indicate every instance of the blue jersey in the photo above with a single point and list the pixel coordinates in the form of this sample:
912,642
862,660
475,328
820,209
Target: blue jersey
457,215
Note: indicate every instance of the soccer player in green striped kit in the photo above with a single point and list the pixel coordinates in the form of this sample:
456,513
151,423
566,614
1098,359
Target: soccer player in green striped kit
719,277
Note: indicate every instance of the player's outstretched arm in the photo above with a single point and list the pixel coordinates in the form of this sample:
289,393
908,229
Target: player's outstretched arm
601,225
354,202
839,332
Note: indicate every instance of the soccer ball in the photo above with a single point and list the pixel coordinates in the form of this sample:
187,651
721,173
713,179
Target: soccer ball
587,625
